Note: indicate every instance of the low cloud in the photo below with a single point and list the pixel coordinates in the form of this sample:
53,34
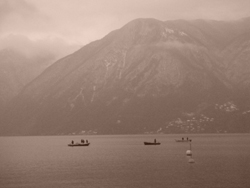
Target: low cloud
56,47
26,29
177,44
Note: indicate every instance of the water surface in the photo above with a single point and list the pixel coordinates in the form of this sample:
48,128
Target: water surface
124,162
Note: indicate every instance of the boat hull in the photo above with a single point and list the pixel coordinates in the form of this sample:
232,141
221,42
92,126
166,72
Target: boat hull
183,140
152,143
78,144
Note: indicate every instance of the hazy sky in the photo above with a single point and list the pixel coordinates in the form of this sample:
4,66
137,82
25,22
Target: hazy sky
62,26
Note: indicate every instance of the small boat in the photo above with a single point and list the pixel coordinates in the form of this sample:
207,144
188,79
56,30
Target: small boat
152,143
183,140
79,144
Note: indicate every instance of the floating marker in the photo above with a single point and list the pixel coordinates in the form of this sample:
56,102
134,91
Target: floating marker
189,153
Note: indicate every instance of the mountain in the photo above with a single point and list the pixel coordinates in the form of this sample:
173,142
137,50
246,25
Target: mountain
148,76
16,70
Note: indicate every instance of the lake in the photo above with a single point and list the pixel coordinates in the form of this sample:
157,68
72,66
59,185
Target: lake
122,161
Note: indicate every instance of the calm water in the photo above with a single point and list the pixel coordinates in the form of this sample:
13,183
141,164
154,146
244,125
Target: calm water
124,162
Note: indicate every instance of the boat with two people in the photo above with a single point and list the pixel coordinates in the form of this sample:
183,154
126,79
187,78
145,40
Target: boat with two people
183,140
83,143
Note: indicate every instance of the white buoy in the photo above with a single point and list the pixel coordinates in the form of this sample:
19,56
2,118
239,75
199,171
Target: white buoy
189,153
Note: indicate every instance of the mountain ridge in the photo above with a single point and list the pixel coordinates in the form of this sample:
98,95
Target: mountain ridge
138,79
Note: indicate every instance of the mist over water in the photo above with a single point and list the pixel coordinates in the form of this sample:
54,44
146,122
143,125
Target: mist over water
123,161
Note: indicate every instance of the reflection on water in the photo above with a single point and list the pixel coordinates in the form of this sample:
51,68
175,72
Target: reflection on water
124,161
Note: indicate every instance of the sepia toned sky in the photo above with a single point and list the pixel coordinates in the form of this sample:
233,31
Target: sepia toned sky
62,26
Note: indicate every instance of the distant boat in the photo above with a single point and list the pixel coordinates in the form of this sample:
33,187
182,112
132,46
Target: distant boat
152,143
183,140
79,144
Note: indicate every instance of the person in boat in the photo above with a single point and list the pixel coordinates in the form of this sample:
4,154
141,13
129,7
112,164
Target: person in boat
182,138
82,141
155,140
72,142
87,141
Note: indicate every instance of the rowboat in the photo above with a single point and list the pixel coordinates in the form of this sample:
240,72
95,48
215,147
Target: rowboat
152,143
183,140
79,144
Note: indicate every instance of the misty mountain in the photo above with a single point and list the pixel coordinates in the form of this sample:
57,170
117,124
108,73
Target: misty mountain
16,70
149,76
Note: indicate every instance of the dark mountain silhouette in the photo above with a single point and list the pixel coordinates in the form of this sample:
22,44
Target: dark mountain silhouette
149,76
